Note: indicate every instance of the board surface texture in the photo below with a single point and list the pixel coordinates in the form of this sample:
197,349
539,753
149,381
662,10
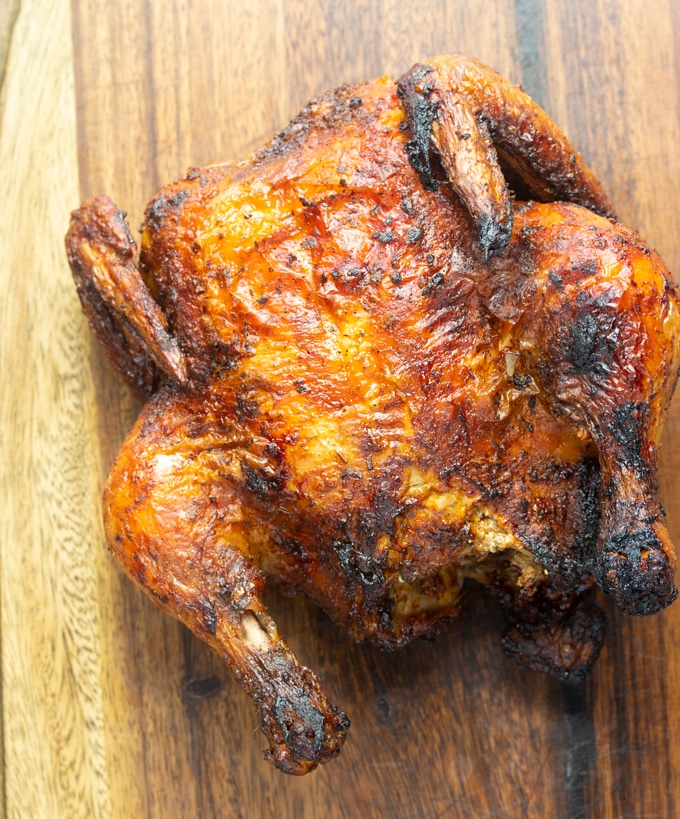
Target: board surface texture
109,707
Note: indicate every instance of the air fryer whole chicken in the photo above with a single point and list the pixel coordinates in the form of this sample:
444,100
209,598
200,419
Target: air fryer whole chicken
371,374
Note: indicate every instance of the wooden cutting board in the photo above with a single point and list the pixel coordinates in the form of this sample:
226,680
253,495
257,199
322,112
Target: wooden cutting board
109,707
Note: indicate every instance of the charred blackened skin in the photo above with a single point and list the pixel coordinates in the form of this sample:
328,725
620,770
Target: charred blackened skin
260,483
165,208
635,572
357,564
628,428
493,236
591,348
421,113
562,641
303,728
337,396
302,725
584,335
589,531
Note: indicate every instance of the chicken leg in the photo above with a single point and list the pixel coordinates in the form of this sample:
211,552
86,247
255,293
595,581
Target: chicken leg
174,521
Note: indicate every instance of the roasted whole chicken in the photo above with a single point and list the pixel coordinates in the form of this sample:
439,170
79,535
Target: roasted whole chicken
372,372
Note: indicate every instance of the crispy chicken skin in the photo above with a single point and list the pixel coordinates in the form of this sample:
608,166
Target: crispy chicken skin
370,374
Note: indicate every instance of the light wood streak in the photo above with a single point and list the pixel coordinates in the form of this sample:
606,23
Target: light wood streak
51,664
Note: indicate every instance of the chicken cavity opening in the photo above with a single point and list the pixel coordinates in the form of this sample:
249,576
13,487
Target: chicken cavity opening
491,551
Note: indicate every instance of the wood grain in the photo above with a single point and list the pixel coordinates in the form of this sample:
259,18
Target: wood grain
111,709
51,662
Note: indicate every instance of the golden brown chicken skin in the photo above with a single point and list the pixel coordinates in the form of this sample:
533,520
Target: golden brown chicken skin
372,376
